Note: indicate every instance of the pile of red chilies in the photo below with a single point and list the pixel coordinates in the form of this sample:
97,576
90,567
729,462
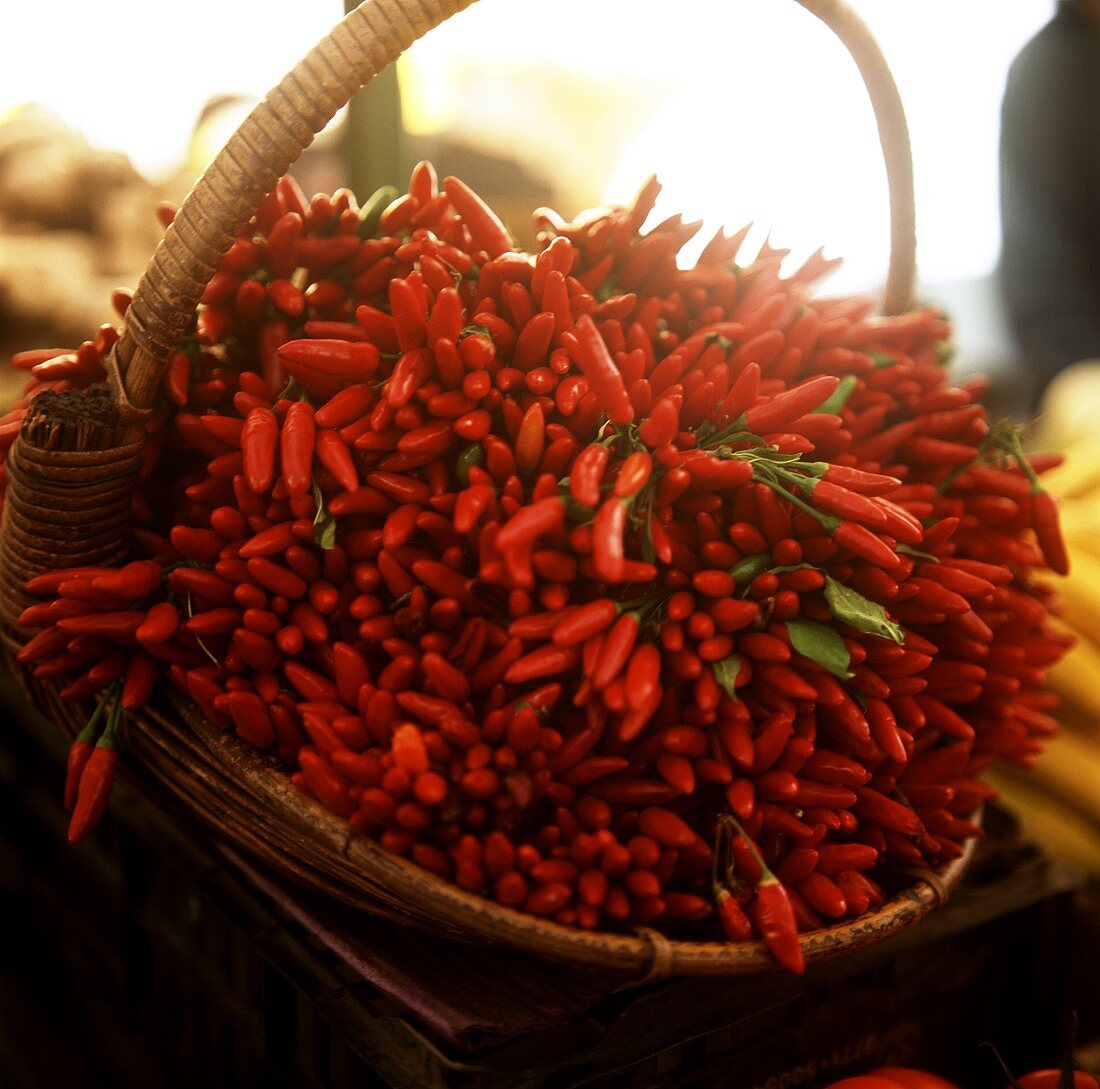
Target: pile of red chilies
618,592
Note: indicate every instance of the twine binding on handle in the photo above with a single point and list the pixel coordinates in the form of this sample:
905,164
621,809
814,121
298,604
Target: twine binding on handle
933,880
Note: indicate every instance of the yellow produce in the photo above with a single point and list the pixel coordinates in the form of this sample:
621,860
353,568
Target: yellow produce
1079,475
1060,800
1080,594
1081,529
1069,406
1069,769
1057,826
1076,679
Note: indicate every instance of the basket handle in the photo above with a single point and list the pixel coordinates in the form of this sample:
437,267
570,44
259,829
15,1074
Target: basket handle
284,124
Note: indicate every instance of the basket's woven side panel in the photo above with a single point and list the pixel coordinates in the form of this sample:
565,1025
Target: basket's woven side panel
62,509
245,171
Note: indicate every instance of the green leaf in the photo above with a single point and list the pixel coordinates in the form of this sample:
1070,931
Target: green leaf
859,613
840,396
748,567
474,330
649,554
791,567
292,392
909,550
371,212
821,643
726,673
471,455
324,525
523,705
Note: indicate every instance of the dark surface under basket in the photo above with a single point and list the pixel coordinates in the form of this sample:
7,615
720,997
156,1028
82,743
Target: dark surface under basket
145,958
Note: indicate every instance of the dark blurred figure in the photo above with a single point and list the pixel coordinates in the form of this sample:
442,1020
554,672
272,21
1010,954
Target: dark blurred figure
1050,194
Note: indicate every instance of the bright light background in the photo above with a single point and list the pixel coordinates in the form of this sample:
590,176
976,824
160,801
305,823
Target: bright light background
134,74
762,116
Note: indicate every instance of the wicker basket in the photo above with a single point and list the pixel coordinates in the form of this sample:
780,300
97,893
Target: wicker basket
67,503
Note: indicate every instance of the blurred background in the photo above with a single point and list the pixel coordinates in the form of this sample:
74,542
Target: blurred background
747,111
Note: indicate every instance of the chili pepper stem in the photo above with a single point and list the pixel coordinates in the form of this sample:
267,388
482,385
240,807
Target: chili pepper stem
831,525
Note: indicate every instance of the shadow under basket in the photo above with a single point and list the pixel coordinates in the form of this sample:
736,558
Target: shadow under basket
74,466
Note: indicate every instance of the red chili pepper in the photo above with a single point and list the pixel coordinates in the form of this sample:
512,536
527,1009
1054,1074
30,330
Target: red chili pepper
773,917
666,828
735,923
94,783
615,651
717,474
409,373
44,645
879,809
633,475
605,379
643,676
79,752
847,504
586,474
296,448
530,523
836,858
787,406
1044,520
534,340
530,440
410,314
132,582
607,540
858,480
259,439
447,317
333,454
325,367
547,661
442,579
329,786
345,407
863,542
206,584
660,427
114,625
141,675
281,240
177,378
486,230
268,542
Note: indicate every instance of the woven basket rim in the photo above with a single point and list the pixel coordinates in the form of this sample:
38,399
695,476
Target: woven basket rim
640,952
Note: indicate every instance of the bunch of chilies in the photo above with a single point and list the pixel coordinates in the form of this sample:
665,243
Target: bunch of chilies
618,592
